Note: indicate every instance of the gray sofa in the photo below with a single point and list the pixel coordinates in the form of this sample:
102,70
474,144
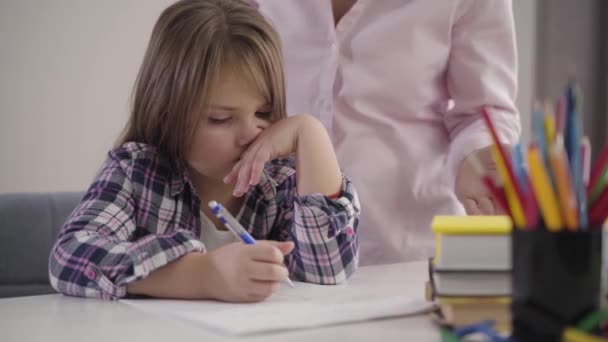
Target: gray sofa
29,224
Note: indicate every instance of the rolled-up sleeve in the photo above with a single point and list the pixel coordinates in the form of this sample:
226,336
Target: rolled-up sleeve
324,230
101,249
482,71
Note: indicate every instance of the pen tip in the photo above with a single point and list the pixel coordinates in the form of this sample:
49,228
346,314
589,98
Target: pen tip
212,204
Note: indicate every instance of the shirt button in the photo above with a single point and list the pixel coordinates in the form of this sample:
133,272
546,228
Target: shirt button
350,231
90,274
325,106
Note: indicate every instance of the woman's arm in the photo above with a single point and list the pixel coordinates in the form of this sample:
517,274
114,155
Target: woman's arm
481,72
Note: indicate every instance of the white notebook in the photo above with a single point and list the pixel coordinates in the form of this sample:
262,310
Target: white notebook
304,306
475,252
472,283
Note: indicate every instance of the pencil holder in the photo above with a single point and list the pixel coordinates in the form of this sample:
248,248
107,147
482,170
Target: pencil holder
556,281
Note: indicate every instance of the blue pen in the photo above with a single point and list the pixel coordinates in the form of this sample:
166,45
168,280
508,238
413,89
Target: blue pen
519,167
234,226
572,139
485,327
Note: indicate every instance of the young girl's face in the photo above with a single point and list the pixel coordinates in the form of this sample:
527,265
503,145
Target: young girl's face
237,113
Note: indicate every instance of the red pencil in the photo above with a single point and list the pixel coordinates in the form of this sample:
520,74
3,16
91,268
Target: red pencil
531,208
598,169
498,194
525,204
599,210
497,191
560,116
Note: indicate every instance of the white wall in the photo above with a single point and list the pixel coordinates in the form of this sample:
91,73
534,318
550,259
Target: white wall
66,72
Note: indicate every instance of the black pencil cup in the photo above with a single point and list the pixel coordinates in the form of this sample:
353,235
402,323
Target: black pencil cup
556,281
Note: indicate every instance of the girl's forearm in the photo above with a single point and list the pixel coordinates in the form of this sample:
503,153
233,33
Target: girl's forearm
316,163
178,279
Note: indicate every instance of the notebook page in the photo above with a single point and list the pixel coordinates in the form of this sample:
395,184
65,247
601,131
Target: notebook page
304,306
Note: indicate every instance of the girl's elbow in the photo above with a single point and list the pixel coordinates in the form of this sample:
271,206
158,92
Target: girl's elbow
339,275
67,276
347,271
57,270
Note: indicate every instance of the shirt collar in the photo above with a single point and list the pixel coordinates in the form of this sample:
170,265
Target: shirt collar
179,177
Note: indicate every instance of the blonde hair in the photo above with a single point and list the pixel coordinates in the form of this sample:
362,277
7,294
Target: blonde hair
191,42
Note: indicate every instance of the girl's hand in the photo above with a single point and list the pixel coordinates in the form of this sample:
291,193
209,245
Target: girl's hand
247,273
276,141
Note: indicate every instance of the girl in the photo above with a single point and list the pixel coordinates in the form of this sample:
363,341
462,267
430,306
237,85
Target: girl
208,123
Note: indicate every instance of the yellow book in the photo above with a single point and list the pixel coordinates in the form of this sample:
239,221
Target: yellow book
473,300
463,314
472,242
464,225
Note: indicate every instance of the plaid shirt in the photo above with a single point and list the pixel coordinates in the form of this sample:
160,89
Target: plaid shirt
140,214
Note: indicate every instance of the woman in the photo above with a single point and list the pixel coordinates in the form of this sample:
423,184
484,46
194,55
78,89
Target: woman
399,85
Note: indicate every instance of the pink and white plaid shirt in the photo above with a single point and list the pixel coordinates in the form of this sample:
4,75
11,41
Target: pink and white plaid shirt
141,213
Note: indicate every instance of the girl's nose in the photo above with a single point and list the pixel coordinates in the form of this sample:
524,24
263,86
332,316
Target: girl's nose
249,133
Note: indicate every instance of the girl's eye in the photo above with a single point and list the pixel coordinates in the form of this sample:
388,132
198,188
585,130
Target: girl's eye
264,115
219,121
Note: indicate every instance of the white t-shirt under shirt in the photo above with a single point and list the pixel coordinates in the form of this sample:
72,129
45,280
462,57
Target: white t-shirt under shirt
212,237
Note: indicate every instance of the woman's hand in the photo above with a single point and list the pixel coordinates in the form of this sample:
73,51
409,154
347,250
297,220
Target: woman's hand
471,191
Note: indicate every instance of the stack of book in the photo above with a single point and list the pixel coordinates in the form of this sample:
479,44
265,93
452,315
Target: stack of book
470,276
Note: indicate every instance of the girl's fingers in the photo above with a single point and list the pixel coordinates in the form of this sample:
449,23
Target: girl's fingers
241,185
250,165
263,271
260,290
257,165
244,173
230,178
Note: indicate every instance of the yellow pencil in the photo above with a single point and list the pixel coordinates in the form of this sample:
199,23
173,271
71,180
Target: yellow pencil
541,184
515,197
549,123
561,171
515,205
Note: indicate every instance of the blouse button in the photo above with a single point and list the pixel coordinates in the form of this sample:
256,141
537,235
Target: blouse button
90,274
350,231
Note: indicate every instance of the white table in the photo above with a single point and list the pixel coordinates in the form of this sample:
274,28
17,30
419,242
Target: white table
60,318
